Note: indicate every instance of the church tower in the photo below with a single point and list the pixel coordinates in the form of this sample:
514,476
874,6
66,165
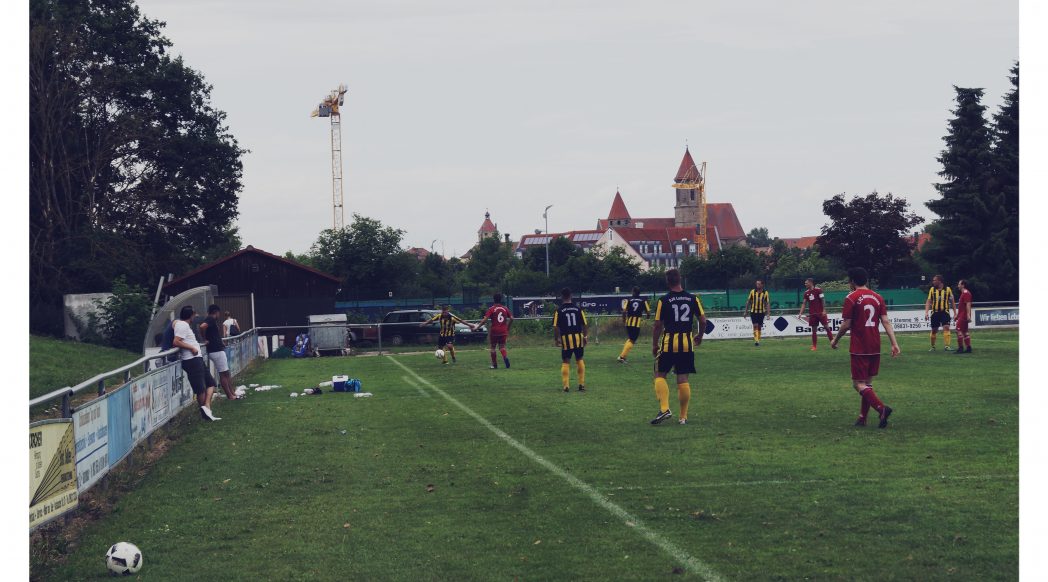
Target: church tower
487,228
690,208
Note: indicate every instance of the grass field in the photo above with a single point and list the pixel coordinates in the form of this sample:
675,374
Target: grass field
55,363
464,473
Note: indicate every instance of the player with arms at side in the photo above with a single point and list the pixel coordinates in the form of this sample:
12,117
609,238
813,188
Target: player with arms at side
814,299
758,306
501,320
447,330
964,318
632,310
570,334
940,302
675,314
863,311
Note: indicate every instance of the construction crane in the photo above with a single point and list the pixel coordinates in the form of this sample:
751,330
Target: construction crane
329,107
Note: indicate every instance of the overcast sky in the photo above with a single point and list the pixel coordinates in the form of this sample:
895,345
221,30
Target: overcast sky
459,107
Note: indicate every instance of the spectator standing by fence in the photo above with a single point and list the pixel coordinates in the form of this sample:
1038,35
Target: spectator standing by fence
216,349
230,325
193,363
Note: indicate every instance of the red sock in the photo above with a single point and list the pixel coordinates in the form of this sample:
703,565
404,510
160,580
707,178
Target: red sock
503,352
870,396
494,362
864,408
814,337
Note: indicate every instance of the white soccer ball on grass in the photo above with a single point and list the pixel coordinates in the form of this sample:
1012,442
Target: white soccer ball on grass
439,354
124,559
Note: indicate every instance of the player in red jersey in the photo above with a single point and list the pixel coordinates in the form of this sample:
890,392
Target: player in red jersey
964,318
814,298
863,311
501,319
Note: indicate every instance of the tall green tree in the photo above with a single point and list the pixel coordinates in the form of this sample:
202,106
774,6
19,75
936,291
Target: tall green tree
132,171
871,231
490,261
758,237
365,255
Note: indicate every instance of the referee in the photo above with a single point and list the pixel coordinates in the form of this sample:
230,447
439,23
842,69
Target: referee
940,303
758,305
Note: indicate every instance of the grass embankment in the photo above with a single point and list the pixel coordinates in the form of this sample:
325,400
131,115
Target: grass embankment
55,363
770,481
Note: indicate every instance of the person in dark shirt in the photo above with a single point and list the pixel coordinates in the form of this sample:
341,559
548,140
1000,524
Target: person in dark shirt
570,334
676,313
216,350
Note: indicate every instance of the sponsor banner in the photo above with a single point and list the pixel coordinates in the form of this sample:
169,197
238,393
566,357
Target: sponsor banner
180,390
91,430
793,326
52,470
996,316
120,441
161,399
142,406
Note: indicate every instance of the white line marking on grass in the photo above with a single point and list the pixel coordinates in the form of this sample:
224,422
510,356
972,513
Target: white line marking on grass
417,387
941,478
629,519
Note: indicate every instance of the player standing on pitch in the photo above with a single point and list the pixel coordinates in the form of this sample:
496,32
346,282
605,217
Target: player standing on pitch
814,298
940,299
447,331
758,306
570,334
632,310
863,311
676,312
501,319
964,318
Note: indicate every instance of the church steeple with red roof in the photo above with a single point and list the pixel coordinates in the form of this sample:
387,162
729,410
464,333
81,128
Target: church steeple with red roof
688,172
618,216
487,228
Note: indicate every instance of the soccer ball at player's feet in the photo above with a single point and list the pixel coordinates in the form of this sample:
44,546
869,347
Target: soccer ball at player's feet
124,559
439,354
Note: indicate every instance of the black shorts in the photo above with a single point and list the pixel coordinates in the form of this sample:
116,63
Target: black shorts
199,374
633,333
680,362
445,340
578,353
757,318
939,319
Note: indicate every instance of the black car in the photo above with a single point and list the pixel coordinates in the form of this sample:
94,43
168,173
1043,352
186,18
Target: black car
402,326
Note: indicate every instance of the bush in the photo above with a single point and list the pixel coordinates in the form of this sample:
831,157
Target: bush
119,321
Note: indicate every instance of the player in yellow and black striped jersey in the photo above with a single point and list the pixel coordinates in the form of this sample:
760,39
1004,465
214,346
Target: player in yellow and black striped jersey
673,344
758,305
570,334
940,303
447,322
632,310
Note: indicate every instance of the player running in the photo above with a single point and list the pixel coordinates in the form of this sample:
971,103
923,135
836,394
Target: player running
447,331
758,306
501,320
863,311
570,334
675,313
940,299
814,299
632,310
964,318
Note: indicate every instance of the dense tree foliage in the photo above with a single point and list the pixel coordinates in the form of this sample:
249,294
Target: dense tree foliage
871,231
132,171
759,237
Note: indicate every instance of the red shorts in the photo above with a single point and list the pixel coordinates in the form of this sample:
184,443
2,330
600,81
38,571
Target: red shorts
962,326
815,320
498,339
865,367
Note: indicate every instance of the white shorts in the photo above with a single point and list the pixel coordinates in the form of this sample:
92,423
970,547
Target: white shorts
219,359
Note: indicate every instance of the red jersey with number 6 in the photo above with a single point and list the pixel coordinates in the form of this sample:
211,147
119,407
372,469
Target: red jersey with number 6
864,308
499,316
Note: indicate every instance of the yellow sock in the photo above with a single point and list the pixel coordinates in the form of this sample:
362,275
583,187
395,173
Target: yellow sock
758,332
684,395
445,356
581,367
946,337
662,391
564,374
452,350
626,349
756,336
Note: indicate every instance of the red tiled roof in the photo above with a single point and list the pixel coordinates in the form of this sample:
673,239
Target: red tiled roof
419,252
687,172
250,249
487,226
922,239
666,236
603,223
804,242
722,215
618,209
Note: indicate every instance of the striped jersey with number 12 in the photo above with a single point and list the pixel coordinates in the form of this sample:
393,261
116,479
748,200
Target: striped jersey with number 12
678,311
635,308
569,319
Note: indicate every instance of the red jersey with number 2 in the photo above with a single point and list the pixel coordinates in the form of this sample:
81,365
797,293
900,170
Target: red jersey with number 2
499,316
864,308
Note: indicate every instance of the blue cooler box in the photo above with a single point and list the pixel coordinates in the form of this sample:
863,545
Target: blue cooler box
338,383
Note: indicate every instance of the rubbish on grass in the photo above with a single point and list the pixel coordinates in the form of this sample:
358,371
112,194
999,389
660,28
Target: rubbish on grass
362,395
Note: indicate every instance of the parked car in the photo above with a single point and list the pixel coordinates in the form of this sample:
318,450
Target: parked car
402,327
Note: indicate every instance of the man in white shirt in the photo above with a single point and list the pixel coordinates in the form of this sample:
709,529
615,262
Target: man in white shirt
193,363
229,323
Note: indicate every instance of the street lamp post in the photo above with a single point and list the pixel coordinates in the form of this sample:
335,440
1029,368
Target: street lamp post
545,215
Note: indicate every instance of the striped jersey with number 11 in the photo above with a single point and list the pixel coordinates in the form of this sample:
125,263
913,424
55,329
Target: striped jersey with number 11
678,311
570,319
634,308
